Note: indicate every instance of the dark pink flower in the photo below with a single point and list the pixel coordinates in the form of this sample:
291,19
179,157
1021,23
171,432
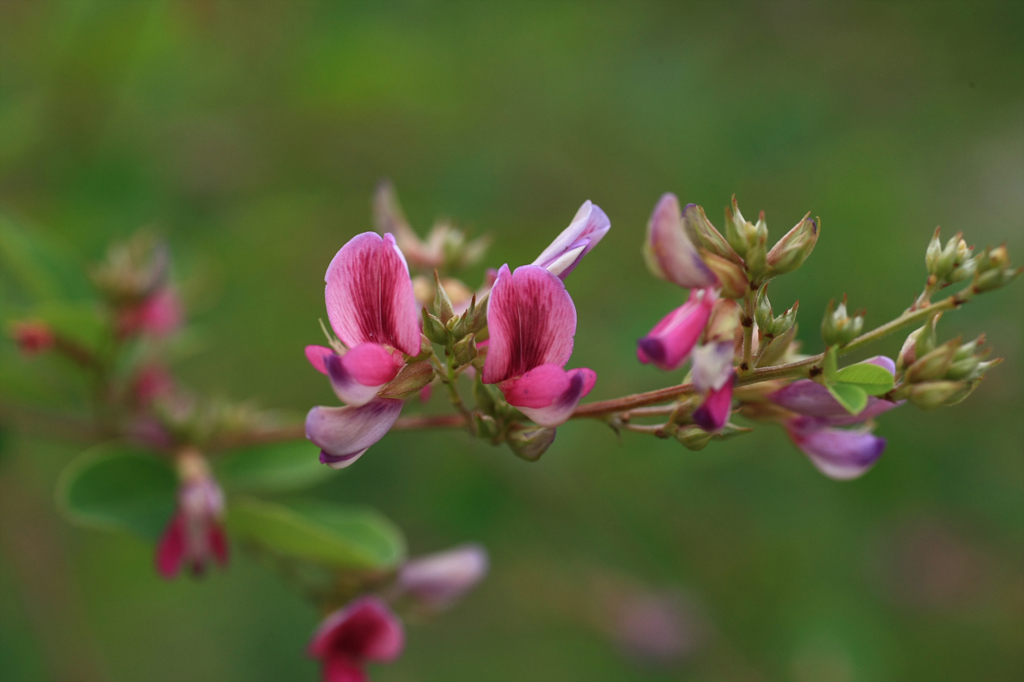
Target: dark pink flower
587,228
372,309
531,320
195,535
365,631
159,314
668,345
32,337
439,580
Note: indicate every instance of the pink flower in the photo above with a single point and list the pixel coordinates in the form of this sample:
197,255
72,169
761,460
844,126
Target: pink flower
372,309
838,453
668,345
438,580
587,228
159,314
32,337
195,535
531,319
670,252
364,631
713,374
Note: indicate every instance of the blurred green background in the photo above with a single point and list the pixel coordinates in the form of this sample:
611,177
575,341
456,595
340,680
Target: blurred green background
252,135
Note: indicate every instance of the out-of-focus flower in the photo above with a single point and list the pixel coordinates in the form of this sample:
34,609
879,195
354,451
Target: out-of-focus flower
838,453
668,345
656,627
587,228
365,631
437,581
149,383
32,337
159,314
531,320
372,309
195,535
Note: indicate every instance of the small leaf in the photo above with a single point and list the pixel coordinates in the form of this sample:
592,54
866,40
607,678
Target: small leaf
350,537
853,398
831,364
280,467
118,487
873,379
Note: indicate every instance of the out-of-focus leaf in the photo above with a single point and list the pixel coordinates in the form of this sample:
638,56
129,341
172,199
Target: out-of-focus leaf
117,486
851,397
279,467
349,537
79,322
873,379
37,266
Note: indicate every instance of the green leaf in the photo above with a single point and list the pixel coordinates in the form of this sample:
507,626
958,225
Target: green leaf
349,537
79,322
118,487
873,379
280,467
852,397
37,266
831,364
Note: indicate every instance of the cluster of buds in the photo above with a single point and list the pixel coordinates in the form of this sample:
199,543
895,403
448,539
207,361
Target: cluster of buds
768,325
950,263
837,327
135,282
940,375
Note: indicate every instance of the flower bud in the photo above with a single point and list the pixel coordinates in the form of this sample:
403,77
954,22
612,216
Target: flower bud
941,262
443,308
790,252
669,251
437,581
409,381
693,437
433,329
993,271
529,442
704,234
724,322
32,337
927,338
763,314
908,353
932,395
838,329
465,350
731,278
933,365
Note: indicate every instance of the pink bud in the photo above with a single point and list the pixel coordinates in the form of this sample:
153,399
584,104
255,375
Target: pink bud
32,337
670,342
439,580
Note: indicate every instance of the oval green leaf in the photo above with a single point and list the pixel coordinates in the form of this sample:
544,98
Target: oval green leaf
874,380
275,468
118,487
853,398
349,537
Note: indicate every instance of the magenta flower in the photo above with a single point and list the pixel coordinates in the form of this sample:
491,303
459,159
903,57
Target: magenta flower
669,251
372,309
438,580
587,228
532,320
668,345
713,374
195,535
32,337
838,453
364,631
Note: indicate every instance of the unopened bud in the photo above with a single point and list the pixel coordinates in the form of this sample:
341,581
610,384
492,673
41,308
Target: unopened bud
837,328
731,278
927,338
724,321
443,308
409,381
433,329
993,271
772,326
32,337
790,252
932,395
529,442
693,437
933,365
908,353
704,234
465,350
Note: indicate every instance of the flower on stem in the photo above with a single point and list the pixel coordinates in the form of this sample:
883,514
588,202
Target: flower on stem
669,251
372,309
838,453
668,345
532,320
32,337
713,374
195,535
365,631
437,581
158,314
587,228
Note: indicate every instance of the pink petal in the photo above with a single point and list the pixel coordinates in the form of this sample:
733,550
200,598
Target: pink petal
841,454
218,542
370,296
170,553
670,249
548,394
438,580
345,433
366,629
317,356
531,319
358,375
715,410
342,669
587,228
670,342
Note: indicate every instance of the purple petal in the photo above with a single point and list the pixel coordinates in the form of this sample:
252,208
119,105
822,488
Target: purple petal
669,250
811,399
370,296
317,356
841,454
438,580
670,342
885,363
365,630
715,410
531,319
548,394
587,228
345,433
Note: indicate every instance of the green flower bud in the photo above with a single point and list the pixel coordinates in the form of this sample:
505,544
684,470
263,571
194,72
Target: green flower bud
529,442
465,350
409,381
934,365
731,277
932,395
790,252
927,338
837,328
737,230
486,426
704,234
693,437
442,303
908,353
763,314
433,329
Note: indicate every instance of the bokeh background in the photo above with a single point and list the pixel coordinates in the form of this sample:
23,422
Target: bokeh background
252,135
